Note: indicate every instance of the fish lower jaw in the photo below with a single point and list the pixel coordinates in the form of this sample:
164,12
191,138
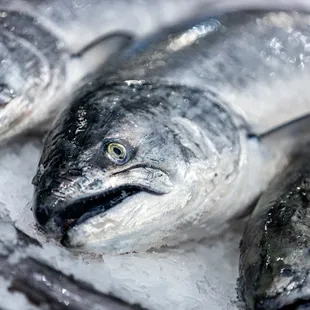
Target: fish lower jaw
132,226
118,245
86,208
142,222
135,225
140,241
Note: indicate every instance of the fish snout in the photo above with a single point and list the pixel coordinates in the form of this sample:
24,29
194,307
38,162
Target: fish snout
46,210
42,214
54,187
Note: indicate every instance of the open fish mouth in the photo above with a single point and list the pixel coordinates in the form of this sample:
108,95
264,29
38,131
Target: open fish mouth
86,207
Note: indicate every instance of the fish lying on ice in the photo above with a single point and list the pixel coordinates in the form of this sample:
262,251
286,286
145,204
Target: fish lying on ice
178,139
46,47
275,261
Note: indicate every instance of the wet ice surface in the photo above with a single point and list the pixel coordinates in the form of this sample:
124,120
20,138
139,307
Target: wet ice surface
192,276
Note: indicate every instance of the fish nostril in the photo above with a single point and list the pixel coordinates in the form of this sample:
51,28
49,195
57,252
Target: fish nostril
65,241
42,214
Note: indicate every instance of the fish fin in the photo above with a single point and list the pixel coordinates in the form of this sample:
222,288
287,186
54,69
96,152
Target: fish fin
120,39
92,56
291,138
279,146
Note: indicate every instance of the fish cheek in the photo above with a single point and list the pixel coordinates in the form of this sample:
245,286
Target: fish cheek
101,161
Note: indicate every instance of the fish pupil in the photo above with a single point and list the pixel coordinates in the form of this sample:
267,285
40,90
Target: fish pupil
117,151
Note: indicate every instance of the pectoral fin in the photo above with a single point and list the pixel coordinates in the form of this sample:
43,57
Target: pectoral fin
288,139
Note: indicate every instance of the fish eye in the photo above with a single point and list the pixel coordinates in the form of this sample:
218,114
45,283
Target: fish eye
117,152
6,95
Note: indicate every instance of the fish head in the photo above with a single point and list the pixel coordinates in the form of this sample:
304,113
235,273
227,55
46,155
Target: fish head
113,171
32,71
39,71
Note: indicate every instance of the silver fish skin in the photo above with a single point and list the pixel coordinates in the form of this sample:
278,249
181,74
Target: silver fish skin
38,71
165,147
74,19
275,258
243,57
48,46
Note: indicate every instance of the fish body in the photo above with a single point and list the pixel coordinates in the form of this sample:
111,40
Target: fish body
49,46
177,140
274,263
246,58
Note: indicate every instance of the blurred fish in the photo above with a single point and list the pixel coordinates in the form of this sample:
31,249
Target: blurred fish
275,257
181,137
43,285
46,47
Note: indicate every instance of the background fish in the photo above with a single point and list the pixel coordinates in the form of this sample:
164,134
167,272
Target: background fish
171,139
47,46
275,261
43,285
41,39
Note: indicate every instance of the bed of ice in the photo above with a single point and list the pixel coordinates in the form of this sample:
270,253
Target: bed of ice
192,276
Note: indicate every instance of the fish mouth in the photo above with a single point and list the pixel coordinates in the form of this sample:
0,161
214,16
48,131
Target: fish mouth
86,207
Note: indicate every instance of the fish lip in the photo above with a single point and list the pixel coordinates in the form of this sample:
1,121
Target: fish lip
86,207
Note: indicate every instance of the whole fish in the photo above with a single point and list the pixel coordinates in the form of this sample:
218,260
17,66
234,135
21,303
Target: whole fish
46,47
275,258
181,137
